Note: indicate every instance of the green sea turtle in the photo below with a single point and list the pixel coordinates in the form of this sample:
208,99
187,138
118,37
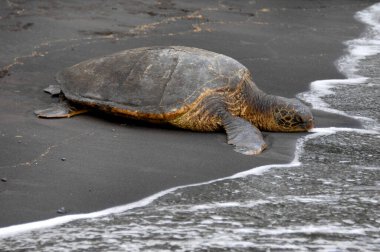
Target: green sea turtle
186,87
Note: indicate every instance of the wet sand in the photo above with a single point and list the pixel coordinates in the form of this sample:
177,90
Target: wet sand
95,161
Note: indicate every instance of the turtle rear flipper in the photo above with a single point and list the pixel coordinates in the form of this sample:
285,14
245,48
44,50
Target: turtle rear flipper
60,110
246,138
53,90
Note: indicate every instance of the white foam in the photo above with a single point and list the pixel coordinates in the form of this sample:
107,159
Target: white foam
367,45
219,205
313,229
357,49
333,130
16,229
322,88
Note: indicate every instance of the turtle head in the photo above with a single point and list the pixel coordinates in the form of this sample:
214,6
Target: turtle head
291,115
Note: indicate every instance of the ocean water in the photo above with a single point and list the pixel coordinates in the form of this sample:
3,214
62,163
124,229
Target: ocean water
326,199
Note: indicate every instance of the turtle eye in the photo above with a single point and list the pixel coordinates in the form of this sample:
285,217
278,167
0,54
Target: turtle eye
297,119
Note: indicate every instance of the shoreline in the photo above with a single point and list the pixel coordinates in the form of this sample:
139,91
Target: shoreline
83,184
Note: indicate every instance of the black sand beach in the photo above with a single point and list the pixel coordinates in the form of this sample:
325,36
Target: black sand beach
96,161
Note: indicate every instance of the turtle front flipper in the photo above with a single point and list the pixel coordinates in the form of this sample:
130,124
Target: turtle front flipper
59,110
246,138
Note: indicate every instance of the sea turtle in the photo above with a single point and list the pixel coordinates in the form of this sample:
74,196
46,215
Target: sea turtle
186,87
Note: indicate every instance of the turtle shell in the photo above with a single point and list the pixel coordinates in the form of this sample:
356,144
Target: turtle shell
149,80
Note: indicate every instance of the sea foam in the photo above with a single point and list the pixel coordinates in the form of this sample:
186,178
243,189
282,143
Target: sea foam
357,49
